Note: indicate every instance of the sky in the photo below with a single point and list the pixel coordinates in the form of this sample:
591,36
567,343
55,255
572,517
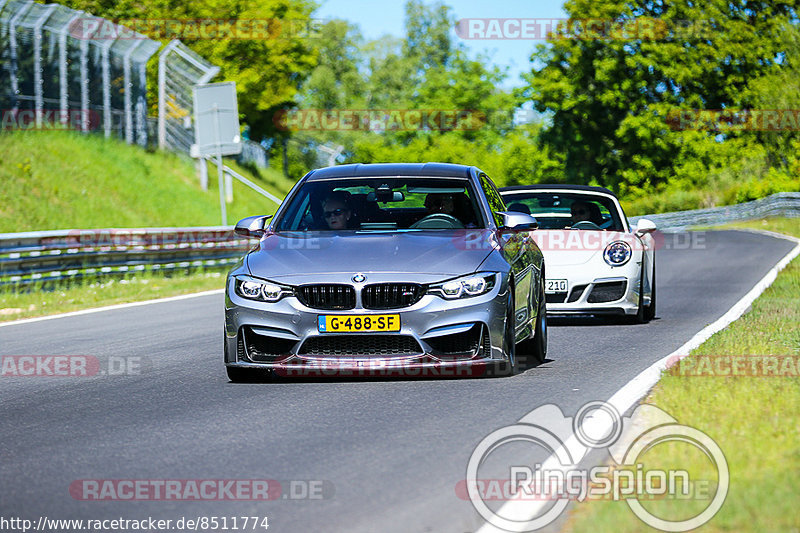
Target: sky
380,17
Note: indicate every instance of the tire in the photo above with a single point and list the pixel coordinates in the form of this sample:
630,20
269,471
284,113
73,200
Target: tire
540,336
640,317
534,349
650,311
509,367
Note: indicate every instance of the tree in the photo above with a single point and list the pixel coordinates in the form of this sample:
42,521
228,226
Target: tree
268,72
610,95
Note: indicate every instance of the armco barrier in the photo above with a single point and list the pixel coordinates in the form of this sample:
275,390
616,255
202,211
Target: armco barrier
782,204
43,256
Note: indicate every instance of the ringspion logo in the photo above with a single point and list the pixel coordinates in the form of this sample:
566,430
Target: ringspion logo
550,485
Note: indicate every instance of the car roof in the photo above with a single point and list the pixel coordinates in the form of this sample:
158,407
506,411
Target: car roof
390,169
560,186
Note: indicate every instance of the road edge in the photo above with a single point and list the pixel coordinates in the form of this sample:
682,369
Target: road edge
638,387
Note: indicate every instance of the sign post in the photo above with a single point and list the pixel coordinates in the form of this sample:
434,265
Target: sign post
216,131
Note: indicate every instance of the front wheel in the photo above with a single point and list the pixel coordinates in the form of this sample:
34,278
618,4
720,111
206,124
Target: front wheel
641,312
534,349
509,366
650,311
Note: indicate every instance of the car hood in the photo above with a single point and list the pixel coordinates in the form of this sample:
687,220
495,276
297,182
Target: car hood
577,247
441,253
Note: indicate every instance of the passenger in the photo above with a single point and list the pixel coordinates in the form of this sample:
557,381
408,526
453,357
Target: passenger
337,210
440,203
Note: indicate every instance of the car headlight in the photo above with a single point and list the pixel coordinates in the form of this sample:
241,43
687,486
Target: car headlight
465,287
617,253
260,290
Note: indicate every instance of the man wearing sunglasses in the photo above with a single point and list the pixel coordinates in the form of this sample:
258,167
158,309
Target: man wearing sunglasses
336,210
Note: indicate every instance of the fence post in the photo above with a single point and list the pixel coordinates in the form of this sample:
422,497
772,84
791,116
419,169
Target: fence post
37,63
63,83
107,87
126,69
84,85
162,94
12,45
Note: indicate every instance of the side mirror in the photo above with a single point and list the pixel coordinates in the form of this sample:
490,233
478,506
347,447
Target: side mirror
645,226
252,226
518,221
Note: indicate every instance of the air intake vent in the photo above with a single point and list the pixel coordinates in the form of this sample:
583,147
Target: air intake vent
360,346
607,292
575,295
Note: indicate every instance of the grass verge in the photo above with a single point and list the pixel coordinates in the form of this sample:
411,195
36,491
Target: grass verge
754,420
66,180
89,294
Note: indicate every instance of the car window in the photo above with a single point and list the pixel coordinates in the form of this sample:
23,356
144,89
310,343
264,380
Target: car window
496,203
557,210
382,204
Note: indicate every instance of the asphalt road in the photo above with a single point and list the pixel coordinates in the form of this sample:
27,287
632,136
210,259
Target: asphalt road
390,453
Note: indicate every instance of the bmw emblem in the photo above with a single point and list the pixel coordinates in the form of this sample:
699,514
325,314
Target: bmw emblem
359,278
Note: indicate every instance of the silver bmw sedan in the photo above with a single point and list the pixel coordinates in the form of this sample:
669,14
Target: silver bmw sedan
397,270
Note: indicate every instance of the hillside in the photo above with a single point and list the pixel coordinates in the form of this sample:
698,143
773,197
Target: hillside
64,180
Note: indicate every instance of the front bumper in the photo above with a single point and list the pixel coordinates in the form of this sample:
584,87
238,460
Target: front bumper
437,337
603,290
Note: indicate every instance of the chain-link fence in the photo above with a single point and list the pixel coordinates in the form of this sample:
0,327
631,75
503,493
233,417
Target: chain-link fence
63,68
66,69
179,70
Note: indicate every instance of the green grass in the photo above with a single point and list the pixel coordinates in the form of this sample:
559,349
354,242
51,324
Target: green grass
15,305
754,420
65,180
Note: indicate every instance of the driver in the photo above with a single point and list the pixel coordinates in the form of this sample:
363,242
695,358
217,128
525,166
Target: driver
336,210
580,212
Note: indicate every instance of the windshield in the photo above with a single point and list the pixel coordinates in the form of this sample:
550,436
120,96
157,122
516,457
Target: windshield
556,210
385,204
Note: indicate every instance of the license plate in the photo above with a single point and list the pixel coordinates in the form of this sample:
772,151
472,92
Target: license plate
357,323
555,285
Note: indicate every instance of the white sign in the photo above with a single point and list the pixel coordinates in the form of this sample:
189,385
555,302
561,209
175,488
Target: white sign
216,120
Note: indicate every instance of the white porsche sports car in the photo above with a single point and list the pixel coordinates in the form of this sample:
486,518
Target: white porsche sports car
596,263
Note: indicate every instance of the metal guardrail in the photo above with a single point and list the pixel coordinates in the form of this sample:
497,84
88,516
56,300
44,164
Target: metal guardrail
782,204
46,256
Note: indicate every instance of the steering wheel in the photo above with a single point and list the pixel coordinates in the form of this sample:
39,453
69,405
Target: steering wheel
585,224
437,221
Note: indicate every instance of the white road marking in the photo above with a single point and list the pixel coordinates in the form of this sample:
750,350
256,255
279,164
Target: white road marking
111,308
639,386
